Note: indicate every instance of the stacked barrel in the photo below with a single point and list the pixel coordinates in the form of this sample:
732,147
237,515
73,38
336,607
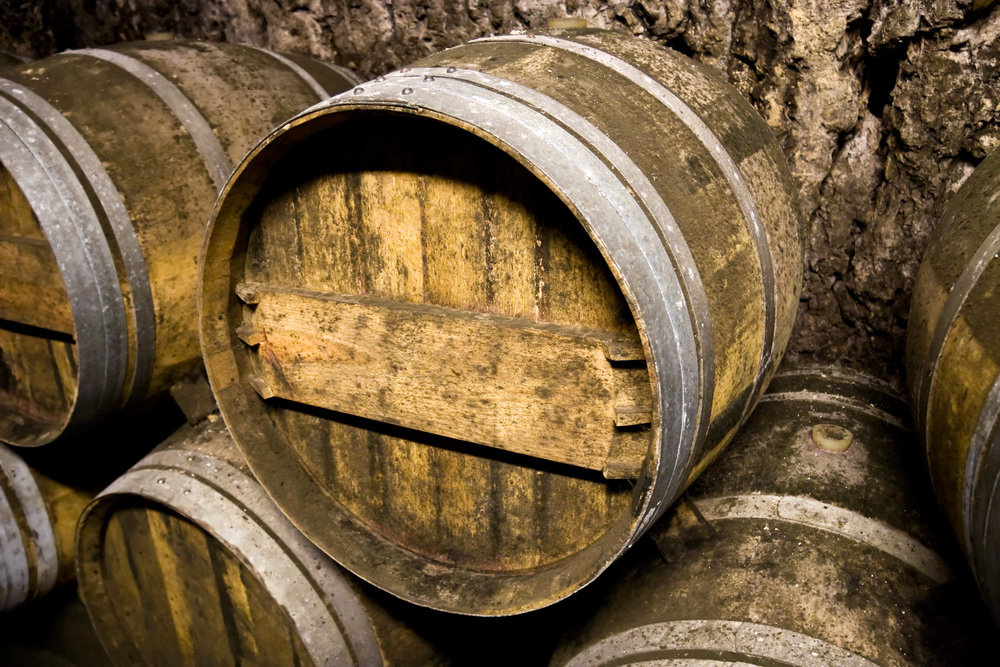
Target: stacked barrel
474,330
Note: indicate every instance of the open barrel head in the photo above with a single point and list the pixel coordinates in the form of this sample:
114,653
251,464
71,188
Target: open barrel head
473,332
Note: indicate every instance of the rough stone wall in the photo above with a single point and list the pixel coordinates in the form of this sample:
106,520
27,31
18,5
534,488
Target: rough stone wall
883,107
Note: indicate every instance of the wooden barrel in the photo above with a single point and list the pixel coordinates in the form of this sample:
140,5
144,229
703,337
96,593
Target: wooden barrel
110,160
184,560
37,520
953,369
485,316
789,552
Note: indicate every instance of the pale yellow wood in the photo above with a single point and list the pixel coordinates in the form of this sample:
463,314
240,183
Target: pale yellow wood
122,588
633,415
241,613
533,388
31,287
172,567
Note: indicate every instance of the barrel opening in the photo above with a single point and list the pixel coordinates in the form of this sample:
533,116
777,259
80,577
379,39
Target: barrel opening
405,271
174,593
38,352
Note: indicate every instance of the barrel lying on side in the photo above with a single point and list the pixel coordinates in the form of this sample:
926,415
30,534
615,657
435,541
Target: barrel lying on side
792,550
110,160
37,521
953,369
185,560
474,324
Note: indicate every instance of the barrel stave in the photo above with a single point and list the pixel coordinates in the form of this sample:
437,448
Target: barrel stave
197,603
143,130
953,362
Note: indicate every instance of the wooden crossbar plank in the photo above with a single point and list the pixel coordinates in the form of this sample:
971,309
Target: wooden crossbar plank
539,389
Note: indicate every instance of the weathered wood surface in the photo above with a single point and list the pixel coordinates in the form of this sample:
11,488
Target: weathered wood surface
455,224
164,177
185,600
539,389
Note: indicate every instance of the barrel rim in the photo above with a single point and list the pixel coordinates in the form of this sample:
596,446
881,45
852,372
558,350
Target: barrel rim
222,364
74,233
112,206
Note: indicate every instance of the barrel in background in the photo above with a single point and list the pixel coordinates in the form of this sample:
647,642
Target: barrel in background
110,160
953,369
475,324
786,552
37,523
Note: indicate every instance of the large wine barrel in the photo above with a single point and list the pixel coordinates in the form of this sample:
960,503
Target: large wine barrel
476,323
37,521
790,552
953,369
184,560
110,160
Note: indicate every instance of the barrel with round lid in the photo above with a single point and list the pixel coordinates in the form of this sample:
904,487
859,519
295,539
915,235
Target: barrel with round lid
477,322
793,550
110,160
953,369
184,560
37,520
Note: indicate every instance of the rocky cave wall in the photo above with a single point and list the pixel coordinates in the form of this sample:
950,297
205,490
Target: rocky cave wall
883,107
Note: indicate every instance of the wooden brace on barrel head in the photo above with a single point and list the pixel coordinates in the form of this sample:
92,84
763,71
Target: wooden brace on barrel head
549,391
